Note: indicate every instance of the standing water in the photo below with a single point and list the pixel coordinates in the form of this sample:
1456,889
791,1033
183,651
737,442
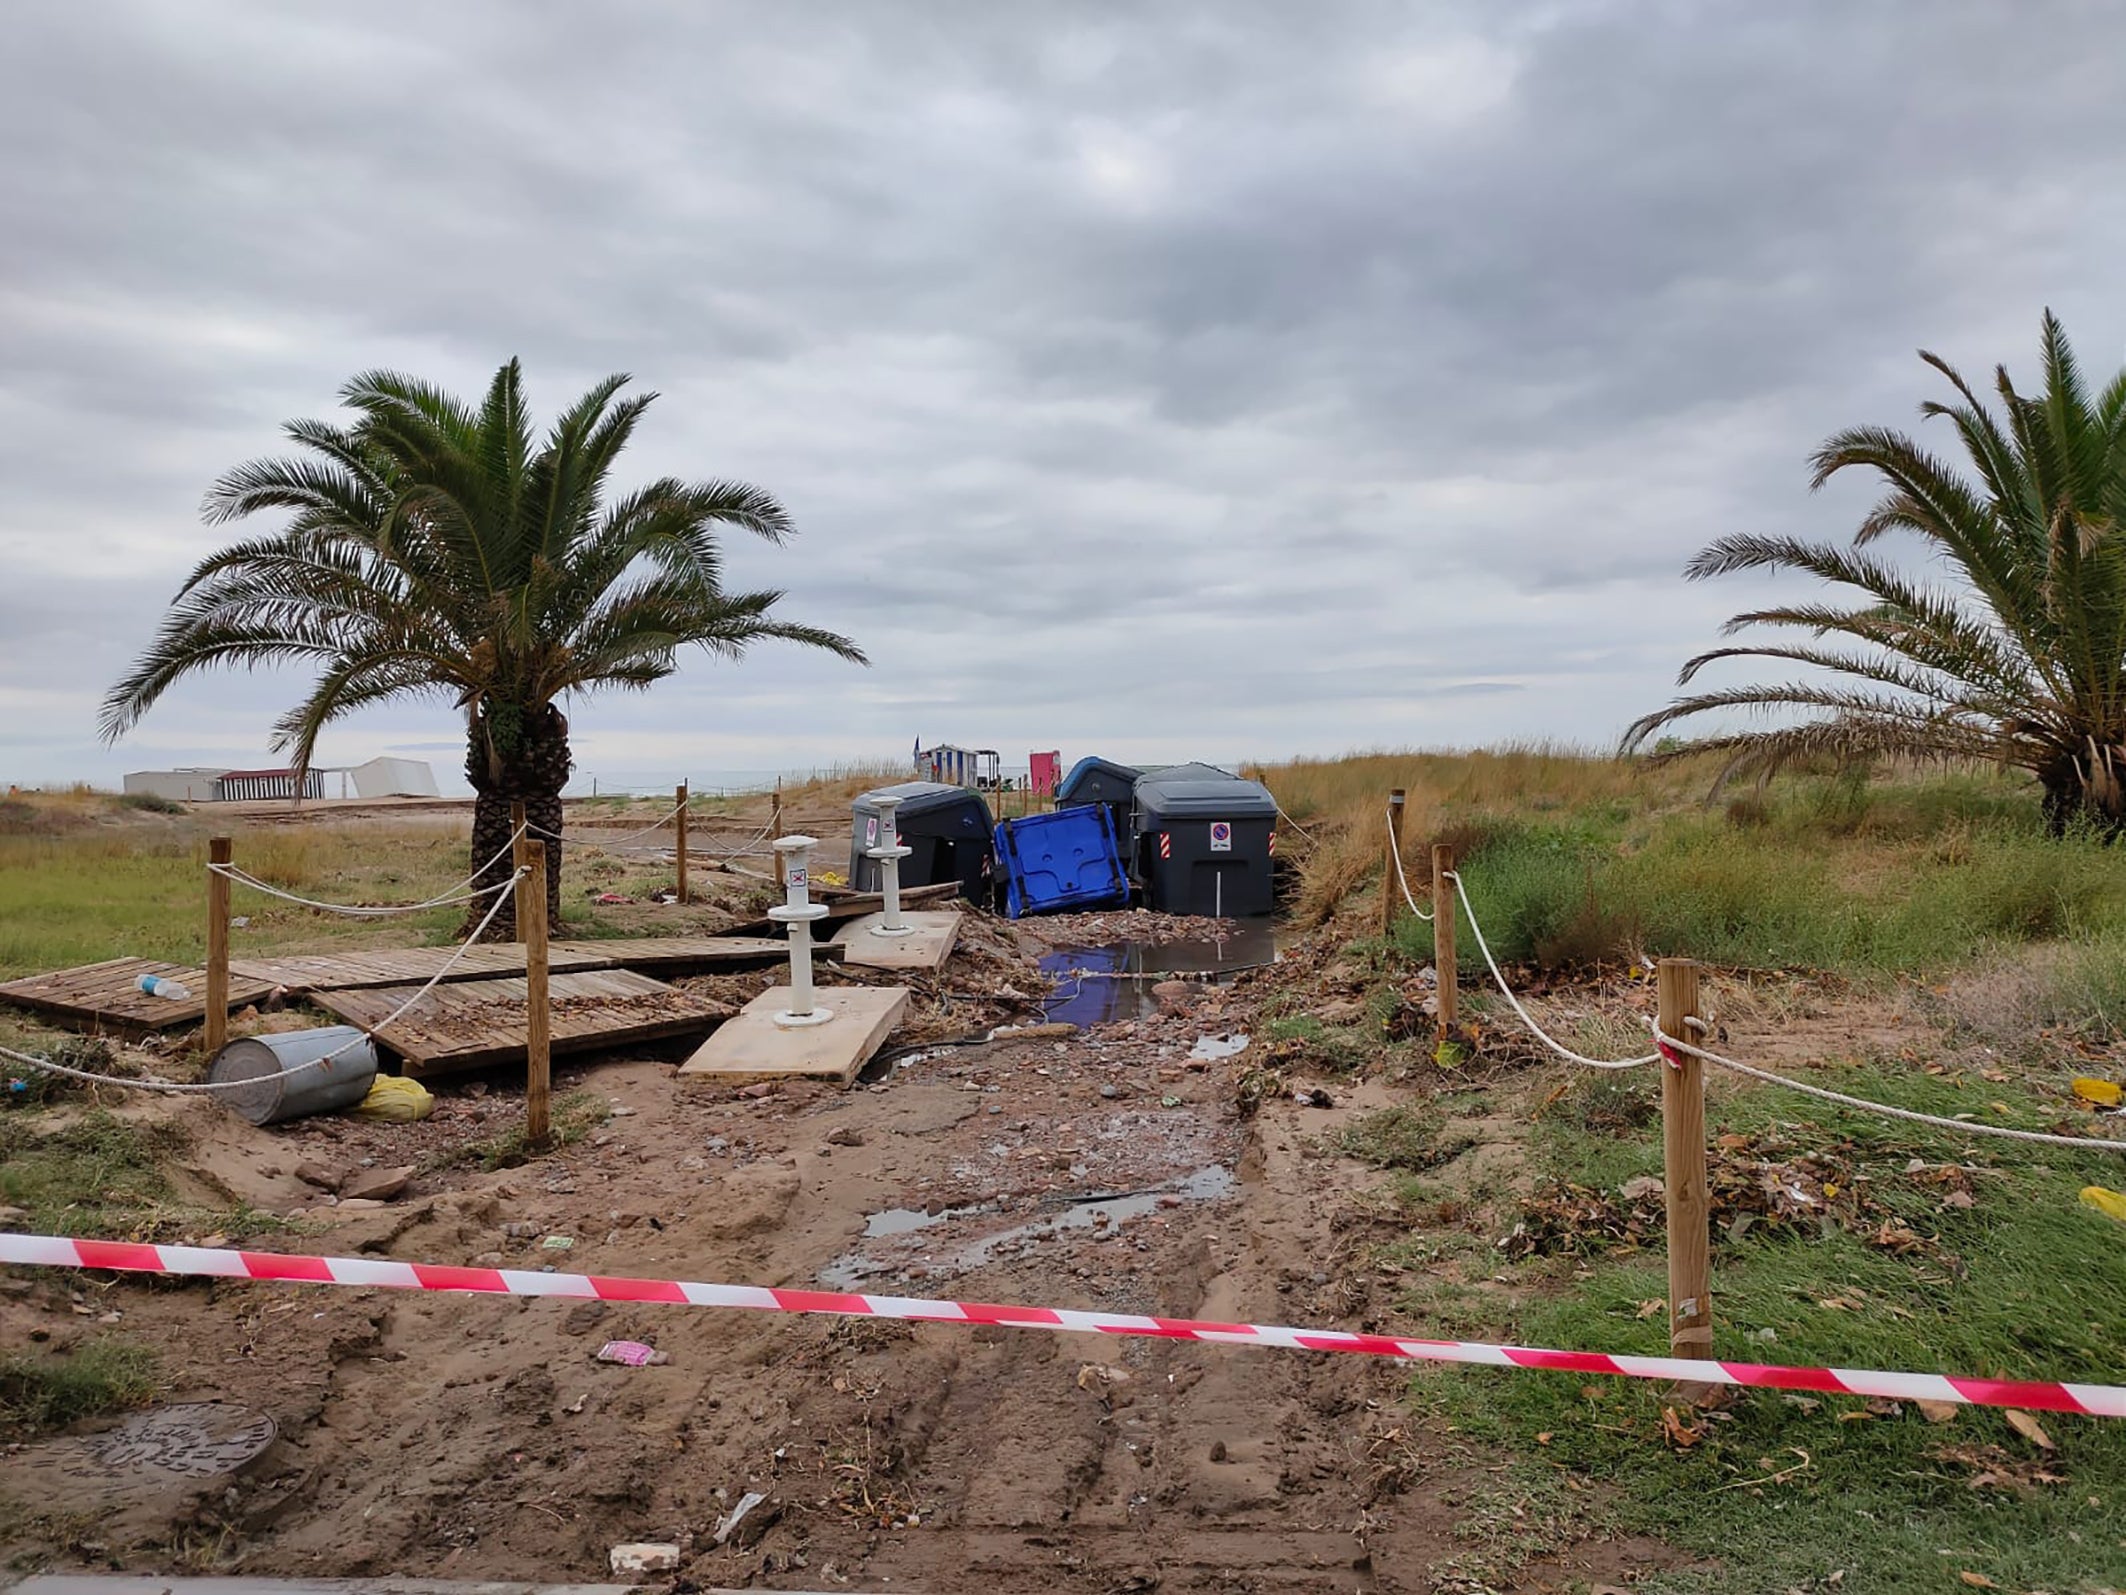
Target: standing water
1099,985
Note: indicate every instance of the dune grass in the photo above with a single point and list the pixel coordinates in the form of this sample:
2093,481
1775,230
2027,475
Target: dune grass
1573,858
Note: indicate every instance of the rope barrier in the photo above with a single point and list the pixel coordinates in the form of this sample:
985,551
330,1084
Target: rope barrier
464,891
57,1251
1402,876
613,845
1527,1018
1669,1046
175,1086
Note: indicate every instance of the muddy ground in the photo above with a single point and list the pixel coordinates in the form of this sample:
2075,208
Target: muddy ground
1130,1166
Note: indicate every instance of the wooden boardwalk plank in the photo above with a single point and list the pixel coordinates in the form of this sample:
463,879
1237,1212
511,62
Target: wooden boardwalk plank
675,953
402,966
474,1023
754,1047
929,942
108,996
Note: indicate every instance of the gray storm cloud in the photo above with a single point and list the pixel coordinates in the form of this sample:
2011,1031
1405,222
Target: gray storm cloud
1234,379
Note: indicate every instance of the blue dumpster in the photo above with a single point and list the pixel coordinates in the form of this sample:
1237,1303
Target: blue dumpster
1060,861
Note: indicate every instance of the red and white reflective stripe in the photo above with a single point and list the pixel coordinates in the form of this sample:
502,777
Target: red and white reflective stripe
1273,844
2104,1401
1166,844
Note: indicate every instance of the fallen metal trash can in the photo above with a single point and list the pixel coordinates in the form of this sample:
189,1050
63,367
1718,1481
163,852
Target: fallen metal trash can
273,1097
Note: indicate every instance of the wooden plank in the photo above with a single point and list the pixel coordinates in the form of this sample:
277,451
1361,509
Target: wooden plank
753,1046
929,942
854,905
474,1023
400,966
108,996
673,953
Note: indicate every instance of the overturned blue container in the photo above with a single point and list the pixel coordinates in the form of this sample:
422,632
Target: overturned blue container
1060,861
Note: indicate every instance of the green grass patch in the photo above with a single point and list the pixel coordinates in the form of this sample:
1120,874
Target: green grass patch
43,1391
1780,1493
571,1116
98,1175
1407,1137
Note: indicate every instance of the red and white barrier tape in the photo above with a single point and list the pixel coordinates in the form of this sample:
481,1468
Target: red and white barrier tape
2107,1401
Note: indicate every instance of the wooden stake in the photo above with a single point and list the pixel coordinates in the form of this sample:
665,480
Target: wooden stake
219,851
775,814
1391,890
1690,1303
1443,918
538,1017
680,797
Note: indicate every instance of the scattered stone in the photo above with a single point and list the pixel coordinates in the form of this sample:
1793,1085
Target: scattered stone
845,1135
375,1185
1217,1450
357,1204
318,1175
582,1318
643,1556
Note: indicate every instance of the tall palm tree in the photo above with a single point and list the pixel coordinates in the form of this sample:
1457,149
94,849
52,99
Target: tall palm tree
2019,659
437,548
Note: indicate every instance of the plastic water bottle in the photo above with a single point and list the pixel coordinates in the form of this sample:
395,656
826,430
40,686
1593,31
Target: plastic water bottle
164,986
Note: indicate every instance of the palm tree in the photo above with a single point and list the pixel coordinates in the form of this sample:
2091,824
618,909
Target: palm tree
434,548
2019,659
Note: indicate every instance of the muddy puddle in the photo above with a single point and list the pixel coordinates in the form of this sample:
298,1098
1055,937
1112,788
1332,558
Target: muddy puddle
1099,985
1100,1215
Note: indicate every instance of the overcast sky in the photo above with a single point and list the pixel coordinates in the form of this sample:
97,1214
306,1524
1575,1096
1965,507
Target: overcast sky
1229,380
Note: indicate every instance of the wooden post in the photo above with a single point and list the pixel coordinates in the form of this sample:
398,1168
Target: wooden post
217,1031
680,797
1443,918
775,814
538,1017
1391,871
1690,1304
516,859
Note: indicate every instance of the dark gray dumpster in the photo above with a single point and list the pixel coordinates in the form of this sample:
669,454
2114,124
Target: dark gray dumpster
948,827
1205,842
1104,782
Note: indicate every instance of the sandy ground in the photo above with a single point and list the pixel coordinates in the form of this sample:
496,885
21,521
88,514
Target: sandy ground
468,1437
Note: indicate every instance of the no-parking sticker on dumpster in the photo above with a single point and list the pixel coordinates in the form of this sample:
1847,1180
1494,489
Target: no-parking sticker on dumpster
1221,836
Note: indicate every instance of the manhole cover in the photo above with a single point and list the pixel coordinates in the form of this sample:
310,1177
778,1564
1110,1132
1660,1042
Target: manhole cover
156,1460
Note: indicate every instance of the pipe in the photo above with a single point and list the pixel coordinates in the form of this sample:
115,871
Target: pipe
797,911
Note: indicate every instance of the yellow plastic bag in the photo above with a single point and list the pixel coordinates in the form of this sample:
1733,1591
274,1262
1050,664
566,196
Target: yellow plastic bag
396,1100
2104,1093
2105,1201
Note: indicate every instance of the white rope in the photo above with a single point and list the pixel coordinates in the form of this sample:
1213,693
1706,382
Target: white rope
1301,829
2079,1142
370,1034
1527,1018
464,891
614,844
1402,877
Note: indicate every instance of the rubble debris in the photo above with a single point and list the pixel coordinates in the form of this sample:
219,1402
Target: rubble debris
643,1556
632,1354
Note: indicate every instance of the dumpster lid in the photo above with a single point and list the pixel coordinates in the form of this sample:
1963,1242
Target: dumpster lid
1203,791
1091,771
921,797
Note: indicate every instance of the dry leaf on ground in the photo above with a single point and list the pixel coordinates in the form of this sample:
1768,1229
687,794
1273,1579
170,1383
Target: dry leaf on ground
2028,1427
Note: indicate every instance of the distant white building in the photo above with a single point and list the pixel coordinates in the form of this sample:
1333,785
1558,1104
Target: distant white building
379,778
191,785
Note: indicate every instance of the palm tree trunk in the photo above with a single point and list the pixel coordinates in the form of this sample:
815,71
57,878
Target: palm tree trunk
532,772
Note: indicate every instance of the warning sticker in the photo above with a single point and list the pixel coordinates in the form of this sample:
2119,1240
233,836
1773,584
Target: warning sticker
797,877
871,830
1221,836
